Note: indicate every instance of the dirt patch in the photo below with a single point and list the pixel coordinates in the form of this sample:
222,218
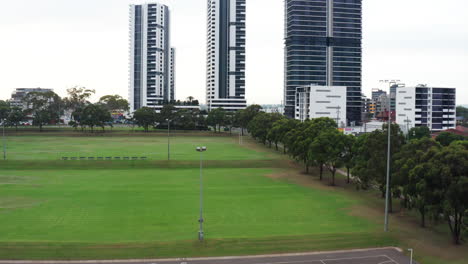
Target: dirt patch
18,202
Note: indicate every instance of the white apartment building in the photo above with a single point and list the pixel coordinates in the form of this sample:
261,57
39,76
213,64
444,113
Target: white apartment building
321,101
152,66
422,105
225,80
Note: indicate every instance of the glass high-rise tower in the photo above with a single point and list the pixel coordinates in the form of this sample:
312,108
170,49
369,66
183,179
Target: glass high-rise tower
152,63
225,80
323,47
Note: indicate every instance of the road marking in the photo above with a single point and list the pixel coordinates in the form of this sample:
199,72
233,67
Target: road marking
388,261
391,259
334,259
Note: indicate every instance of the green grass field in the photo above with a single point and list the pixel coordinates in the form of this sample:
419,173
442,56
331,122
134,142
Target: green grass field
155,148
108,206
54,209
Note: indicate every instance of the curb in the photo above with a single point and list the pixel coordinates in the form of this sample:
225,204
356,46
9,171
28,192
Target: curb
194,259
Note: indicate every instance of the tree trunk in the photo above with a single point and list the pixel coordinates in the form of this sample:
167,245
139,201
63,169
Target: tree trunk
276,145
307,167
422,211
321,171
347,172
284,149
40,127
16,126
390,201
242,131
333,176
269,142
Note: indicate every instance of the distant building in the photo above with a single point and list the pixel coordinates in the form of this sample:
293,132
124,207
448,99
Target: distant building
321,101
376,93
19,94
225,80
323,47
152,58
422,105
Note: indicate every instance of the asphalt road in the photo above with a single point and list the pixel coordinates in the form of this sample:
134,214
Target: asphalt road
372,256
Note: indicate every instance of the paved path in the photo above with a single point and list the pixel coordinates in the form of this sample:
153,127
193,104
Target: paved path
370,256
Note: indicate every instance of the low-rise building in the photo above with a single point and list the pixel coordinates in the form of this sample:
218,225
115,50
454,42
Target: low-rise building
321,101
421,105
19,94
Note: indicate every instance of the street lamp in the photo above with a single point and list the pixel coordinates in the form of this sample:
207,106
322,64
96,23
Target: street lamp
168,139
200,220
387,189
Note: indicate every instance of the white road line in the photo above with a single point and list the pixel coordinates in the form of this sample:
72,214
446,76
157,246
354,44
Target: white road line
356,258
323,260
391,259
387,261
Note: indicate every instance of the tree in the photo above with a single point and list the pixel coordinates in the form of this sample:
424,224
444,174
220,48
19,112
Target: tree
15,117
419,132
78,97
243,117
145,117
446,138
95,115
190,99
114,103
349,154
260,126
44,107
216,118
371,166
279,130
168,112
4,110
450,165
417,188
329,147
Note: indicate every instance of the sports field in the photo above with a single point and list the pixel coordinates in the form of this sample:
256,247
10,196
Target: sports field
256,202
154,148
54,209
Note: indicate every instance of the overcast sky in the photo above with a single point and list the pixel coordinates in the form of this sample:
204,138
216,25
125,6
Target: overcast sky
62,43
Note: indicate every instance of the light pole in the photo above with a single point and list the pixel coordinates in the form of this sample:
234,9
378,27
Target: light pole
200,220
168,139
387,189
4,140
411,257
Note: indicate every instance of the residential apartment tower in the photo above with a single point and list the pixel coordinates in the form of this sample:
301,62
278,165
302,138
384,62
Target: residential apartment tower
152,62
225,80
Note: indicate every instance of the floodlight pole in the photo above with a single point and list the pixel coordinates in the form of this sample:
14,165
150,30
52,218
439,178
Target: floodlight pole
4,140
387,192
168,139
200,220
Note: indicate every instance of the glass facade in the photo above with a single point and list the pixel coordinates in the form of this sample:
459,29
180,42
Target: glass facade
323,47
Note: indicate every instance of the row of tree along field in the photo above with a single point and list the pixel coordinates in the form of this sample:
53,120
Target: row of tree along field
427,175
46,108
190,119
